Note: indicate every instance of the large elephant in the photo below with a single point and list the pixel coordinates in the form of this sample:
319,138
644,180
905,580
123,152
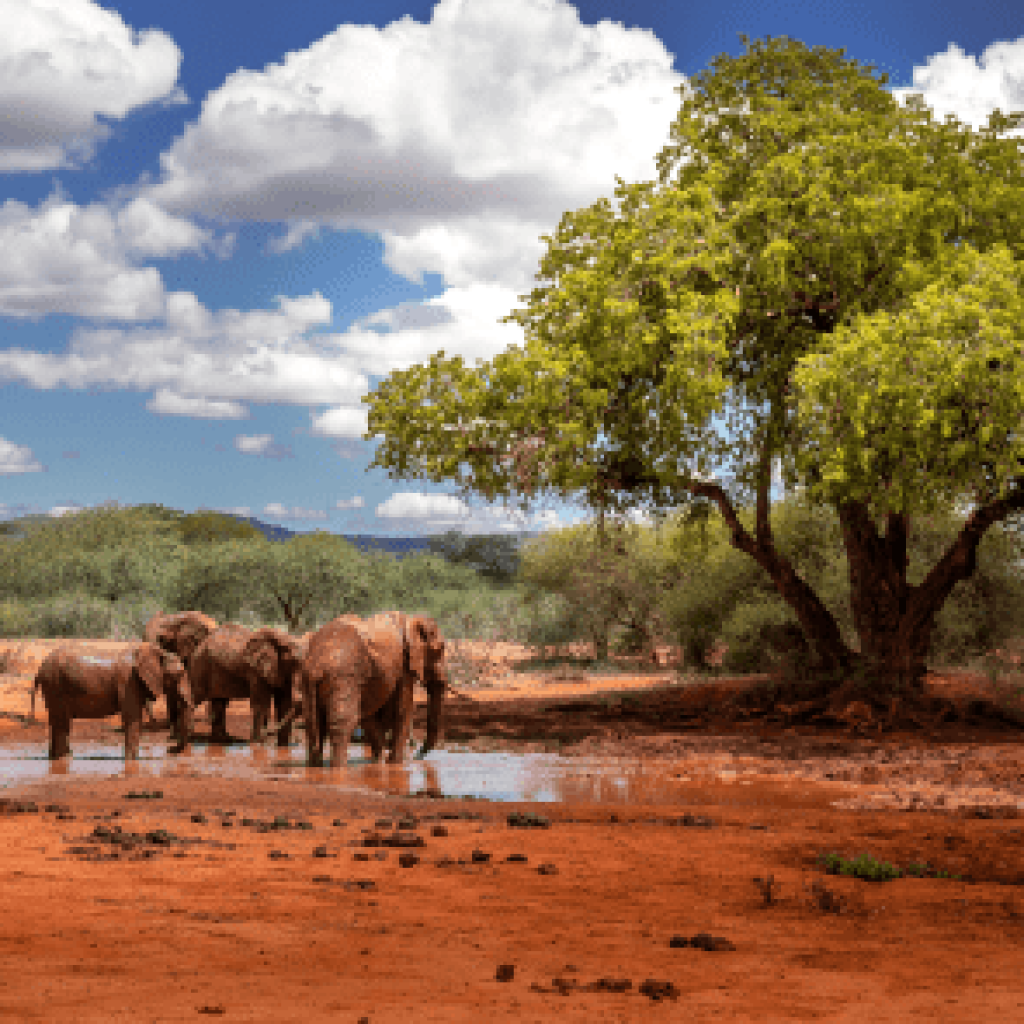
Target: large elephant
181,633
362,672
81,686
262,665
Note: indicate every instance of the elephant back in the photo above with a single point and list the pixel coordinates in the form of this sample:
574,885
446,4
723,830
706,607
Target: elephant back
219,656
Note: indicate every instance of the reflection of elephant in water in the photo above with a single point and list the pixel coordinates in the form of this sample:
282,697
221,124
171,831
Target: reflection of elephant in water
181,633
362,672
79,686
234,663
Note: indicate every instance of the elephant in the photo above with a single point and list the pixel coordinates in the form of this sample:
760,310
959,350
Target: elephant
262,665
362,672
181,633
80,686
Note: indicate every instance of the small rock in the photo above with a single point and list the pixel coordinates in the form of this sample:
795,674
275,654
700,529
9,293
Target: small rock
505,972
702,940
658,990
547,869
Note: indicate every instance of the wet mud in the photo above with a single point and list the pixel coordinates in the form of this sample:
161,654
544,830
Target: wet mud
693,858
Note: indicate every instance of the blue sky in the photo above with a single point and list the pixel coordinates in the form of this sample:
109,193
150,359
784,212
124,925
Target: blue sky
223,221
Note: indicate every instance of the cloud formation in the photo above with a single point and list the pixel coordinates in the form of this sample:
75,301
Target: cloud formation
63,65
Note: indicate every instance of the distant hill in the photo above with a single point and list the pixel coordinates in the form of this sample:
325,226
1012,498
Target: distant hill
397,546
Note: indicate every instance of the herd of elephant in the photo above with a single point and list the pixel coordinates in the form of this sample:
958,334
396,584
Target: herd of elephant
351,672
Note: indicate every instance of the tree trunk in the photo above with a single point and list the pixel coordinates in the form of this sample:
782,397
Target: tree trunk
894,620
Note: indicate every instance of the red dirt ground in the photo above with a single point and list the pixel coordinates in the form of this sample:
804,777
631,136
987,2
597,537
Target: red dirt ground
708,903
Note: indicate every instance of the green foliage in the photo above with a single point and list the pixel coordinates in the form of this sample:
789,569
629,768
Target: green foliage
212,527
493,557
868,868
66,615
837,274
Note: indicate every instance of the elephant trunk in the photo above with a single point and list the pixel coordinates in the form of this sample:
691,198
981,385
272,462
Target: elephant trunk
183,720
293,712
435,722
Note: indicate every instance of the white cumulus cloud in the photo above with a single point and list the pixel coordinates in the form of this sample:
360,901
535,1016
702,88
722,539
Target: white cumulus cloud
64,63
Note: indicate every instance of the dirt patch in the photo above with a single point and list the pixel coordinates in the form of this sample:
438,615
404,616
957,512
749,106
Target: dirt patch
295,900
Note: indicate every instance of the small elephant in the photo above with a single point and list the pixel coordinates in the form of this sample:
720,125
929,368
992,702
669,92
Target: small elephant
80,686
181,633
362,672
234,663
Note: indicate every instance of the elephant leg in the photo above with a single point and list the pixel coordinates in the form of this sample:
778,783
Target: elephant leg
260,721
402,727
219,719
282,705
132,727
316,731
60,733
374,730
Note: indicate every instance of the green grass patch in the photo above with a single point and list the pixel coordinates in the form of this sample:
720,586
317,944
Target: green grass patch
865,866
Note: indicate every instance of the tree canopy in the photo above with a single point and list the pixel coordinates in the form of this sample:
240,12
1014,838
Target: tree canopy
836,274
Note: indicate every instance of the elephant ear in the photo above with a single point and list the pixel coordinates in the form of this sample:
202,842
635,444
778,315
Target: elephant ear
282,642
418,631
191,635
149,665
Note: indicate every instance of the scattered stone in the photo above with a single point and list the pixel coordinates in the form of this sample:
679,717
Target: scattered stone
439,830
505,972
658,990
610,985
547,869
278,855
516,858
408,860
361,884
144,794
198,819
18,807
702,940
528,819
392,839
480,857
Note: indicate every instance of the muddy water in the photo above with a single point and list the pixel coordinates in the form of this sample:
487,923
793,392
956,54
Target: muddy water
545,778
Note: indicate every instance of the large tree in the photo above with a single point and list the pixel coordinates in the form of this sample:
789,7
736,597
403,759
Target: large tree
838,274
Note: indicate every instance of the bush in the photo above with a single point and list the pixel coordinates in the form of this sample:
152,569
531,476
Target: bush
71,615
744,633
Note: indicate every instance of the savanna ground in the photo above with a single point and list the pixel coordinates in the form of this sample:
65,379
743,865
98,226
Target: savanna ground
712,898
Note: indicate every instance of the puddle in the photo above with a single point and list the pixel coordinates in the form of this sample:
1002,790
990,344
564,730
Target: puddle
544,778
